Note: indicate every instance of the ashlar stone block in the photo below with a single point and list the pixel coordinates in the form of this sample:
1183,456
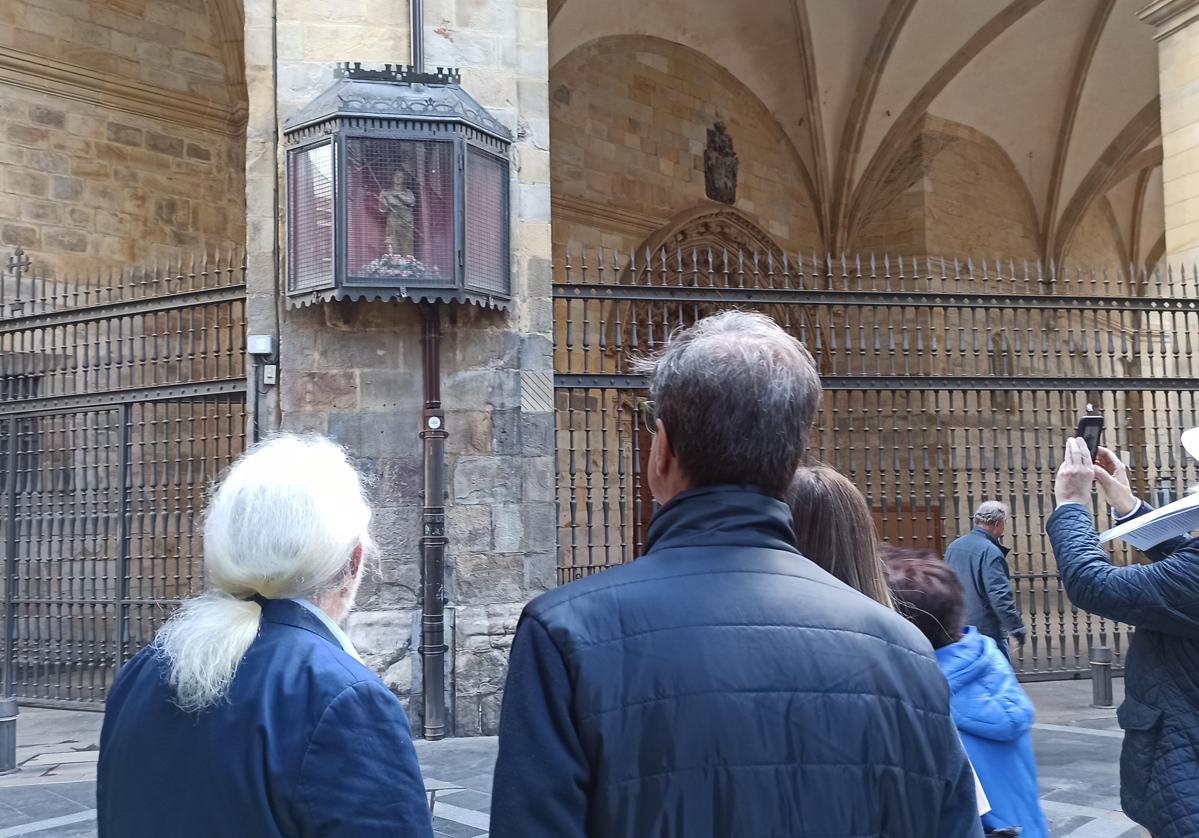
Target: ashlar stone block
487,480
322,390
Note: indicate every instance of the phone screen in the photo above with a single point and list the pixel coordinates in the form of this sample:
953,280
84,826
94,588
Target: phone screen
1090,428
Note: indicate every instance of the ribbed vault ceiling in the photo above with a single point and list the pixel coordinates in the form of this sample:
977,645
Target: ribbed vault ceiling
1067,88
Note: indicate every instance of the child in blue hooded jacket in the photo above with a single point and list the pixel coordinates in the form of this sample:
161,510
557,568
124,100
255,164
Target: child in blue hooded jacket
992,714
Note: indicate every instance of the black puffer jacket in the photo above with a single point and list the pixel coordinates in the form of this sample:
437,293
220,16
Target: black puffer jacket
1159,765
724,686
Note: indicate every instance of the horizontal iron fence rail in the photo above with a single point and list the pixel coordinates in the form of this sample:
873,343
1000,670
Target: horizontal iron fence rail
634,381
715,267
866,299
126,395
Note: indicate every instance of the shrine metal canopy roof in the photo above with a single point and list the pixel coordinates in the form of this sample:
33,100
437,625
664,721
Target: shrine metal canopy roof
399,92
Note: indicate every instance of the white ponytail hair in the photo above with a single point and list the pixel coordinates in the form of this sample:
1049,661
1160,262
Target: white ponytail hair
283,524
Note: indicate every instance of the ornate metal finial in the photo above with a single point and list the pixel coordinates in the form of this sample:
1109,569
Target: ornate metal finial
400,73
18,263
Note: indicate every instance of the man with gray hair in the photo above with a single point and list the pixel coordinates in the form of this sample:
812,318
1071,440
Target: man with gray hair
980,561
722,684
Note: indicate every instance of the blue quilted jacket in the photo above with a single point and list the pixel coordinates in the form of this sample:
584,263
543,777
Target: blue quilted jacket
723,686
307,744
1159,765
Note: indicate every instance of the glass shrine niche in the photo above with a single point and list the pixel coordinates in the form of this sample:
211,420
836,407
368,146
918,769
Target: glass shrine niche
400,210
397,189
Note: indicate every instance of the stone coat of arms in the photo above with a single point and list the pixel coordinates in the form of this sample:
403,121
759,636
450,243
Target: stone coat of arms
720,166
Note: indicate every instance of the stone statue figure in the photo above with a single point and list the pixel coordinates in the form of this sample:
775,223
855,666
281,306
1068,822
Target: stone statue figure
397,204
720,166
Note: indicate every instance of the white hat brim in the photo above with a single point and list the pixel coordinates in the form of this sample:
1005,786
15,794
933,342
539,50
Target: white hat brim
1190,441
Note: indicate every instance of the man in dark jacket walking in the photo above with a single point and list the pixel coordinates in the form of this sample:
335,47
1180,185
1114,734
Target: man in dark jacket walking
723,685
980,562
1159,771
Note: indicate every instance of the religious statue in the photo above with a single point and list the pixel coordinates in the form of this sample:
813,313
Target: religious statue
396,203
720,166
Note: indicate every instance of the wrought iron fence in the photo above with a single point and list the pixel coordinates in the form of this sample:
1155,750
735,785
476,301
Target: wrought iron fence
946,383
121,398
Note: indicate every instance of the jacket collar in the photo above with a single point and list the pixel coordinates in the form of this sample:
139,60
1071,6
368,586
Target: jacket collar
286,612
993,540
722,516
965,660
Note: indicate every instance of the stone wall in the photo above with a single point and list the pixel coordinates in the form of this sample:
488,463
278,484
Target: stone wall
976,203
894,222
1097,241
629,121
119,133
353,371
954,192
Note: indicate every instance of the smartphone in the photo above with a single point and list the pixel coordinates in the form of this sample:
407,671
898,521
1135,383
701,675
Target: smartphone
1090,428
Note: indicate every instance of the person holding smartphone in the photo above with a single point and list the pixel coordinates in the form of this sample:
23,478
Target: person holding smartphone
1159,767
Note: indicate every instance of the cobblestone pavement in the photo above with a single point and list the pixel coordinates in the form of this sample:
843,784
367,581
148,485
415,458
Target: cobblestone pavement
53,796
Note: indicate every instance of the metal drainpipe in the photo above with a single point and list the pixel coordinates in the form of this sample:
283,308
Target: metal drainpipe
417,30
433,540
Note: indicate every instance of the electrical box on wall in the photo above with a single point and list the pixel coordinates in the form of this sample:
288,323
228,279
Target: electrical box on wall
263,345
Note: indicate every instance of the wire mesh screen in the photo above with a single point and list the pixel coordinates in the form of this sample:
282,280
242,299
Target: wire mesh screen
400,210
311,213
486,223
120,402
945,385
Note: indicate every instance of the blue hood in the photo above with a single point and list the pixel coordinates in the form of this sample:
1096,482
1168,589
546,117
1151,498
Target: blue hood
985,698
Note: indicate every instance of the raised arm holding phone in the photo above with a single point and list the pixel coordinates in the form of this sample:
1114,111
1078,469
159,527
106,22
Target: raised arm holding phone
1159,770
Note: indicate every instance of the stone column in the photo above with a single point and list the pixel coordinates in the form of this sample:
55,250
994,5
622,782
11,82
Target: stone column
352,371
262,200
1177,23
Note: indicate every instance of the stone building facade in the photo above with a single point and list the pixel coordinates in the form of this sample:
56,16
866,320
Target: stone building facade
353,370
122,132
141,130
629,121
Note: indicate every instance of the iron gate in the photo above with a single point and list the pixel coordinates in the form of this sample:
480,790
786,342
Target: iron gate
121,398
945,384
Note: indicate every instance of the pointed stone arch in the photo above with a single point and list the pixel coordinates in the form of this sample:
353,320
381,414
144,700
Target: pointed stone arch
1120,159
627,113
712,240
228,28
713,228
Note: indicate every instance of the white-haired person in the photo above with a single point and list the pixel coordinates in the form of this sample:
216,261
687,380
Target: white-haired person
250,714
979,559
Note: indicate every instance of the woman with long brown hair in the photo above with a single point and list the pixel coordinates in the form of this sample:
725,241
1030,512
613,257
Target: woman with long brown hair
834,528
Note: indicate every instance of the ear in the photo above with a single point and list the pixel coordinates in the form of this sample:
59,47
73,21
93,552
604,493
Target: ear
662,452
356,562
